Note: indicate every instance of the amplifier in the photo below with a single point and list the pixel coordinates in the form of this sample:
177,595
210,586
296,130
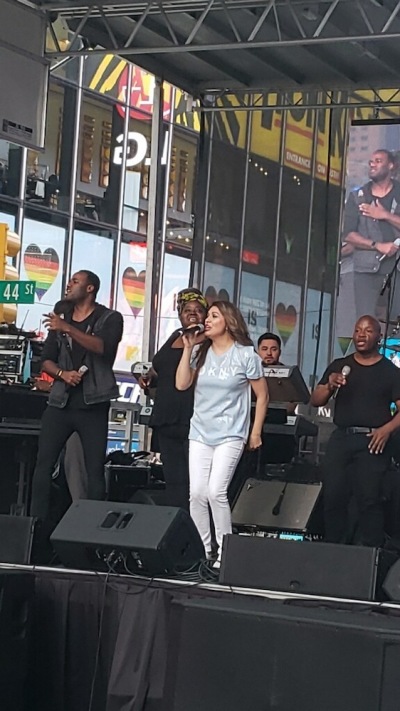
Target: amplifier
13,350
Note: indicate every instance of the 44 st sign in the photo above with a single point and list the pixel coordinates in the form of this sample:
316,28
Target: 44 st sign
17,292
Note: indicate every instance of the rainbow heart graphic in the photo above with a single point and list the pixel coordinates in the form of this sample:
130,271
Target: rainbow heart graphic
285,320
41,267
133,287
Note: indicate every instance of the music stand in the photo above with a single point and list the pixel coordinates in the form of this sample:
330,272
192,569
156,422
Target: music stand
286,384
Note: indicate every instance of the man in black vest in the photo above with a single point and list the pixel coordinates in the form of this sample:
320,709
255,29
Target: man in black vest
372,226
358,451
79,353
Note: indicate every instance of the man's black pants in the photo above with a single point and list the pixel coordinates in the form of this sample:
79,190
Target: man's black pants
57,426
349,469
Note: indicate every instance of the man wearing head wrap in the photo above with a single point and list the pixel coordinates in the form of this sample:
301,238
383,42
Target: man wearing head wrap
173,408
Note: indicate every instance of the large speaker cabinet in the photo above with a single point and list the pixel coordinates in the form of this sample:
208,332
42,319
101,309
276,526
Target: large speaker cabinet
125,537
252,654
304,567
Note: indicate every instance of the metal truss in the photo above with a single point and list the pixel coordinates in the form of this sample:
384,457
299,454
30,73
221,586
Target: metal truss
269,24
228,102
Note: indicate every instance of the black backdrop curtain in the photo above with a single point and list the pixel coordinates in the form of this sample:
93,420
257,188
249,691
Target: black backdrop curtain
98,643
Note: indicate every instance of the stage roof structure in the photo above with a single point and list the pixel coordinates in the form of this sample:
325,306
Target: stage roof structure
241,45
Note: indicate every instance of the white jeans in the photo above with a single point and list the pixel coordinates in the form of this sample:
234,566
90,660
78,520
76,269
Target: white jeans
210,472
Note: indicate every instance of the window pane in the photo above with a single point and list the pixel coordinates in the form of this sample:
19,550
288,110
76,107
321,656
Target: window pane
181,190
254,303
293,227
286,319
175,277
99,160
315,334
137,174
261,212
219,282
130,302
10,168
48,182
42,261
94,252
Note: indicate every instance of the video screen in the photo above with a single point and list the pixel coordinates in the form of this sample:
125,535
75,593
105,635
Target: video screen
370,235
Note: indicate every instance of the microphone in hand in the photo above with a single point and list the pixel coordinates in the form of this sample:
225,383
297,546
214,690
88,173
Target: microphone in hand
345,372
194,329
396,244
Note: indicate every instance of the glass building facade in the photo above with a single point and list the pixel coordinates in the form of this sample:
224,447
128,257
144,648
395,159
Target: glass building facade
246,205
268,227
83,203
271,224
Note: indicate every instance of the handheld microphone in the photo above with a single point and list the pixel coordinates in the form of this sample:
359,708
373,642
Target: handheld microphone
345,371
194,328
396,243
83,369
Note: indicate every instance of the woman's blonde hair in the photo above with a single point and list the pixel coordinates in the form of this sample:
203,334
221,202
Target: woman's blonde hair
235,325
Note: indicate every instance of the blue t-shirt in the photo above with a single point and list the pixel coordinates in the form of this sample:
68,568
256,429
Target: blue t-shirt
222,395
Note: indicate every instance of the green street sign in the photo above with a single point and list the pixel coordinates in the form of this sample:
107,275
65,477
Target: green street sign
17,292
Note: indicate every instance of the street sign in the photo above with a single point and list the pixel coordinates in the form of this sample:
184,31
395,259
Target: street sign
17,292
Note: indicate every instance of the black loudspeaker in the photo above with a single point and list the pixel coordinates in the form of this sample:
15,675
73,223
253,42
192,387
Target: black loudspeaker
303,567
16,539
275,505
391,584
16,598
125,537
251,654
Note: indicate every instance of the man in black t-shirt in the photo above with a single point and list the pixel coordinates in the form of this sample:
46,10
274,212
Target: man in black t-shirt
358,454
79,353
372,227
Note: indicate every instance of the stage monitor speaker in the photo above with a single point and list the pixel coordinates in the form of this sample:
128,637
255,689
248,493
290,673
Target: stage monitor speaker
16,597
127,538
16,539
391,584
275,505
248,654
326,569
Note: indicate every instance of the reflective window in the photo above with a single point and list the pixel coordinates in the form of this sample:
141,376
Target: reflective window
316,336
175,277
293,226
48,180
99,165
10,168
42,261
137,174
226,193
94,250
254,303
324,236
130,302
261,213
181,188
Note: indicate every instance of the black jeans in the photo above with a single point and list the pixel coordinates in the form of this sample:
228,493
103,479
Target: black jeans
173,445
350,470
57,426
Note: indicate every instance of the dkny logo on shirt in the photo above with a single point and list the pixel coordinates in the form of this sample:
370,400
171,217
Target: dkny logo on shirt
219,371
